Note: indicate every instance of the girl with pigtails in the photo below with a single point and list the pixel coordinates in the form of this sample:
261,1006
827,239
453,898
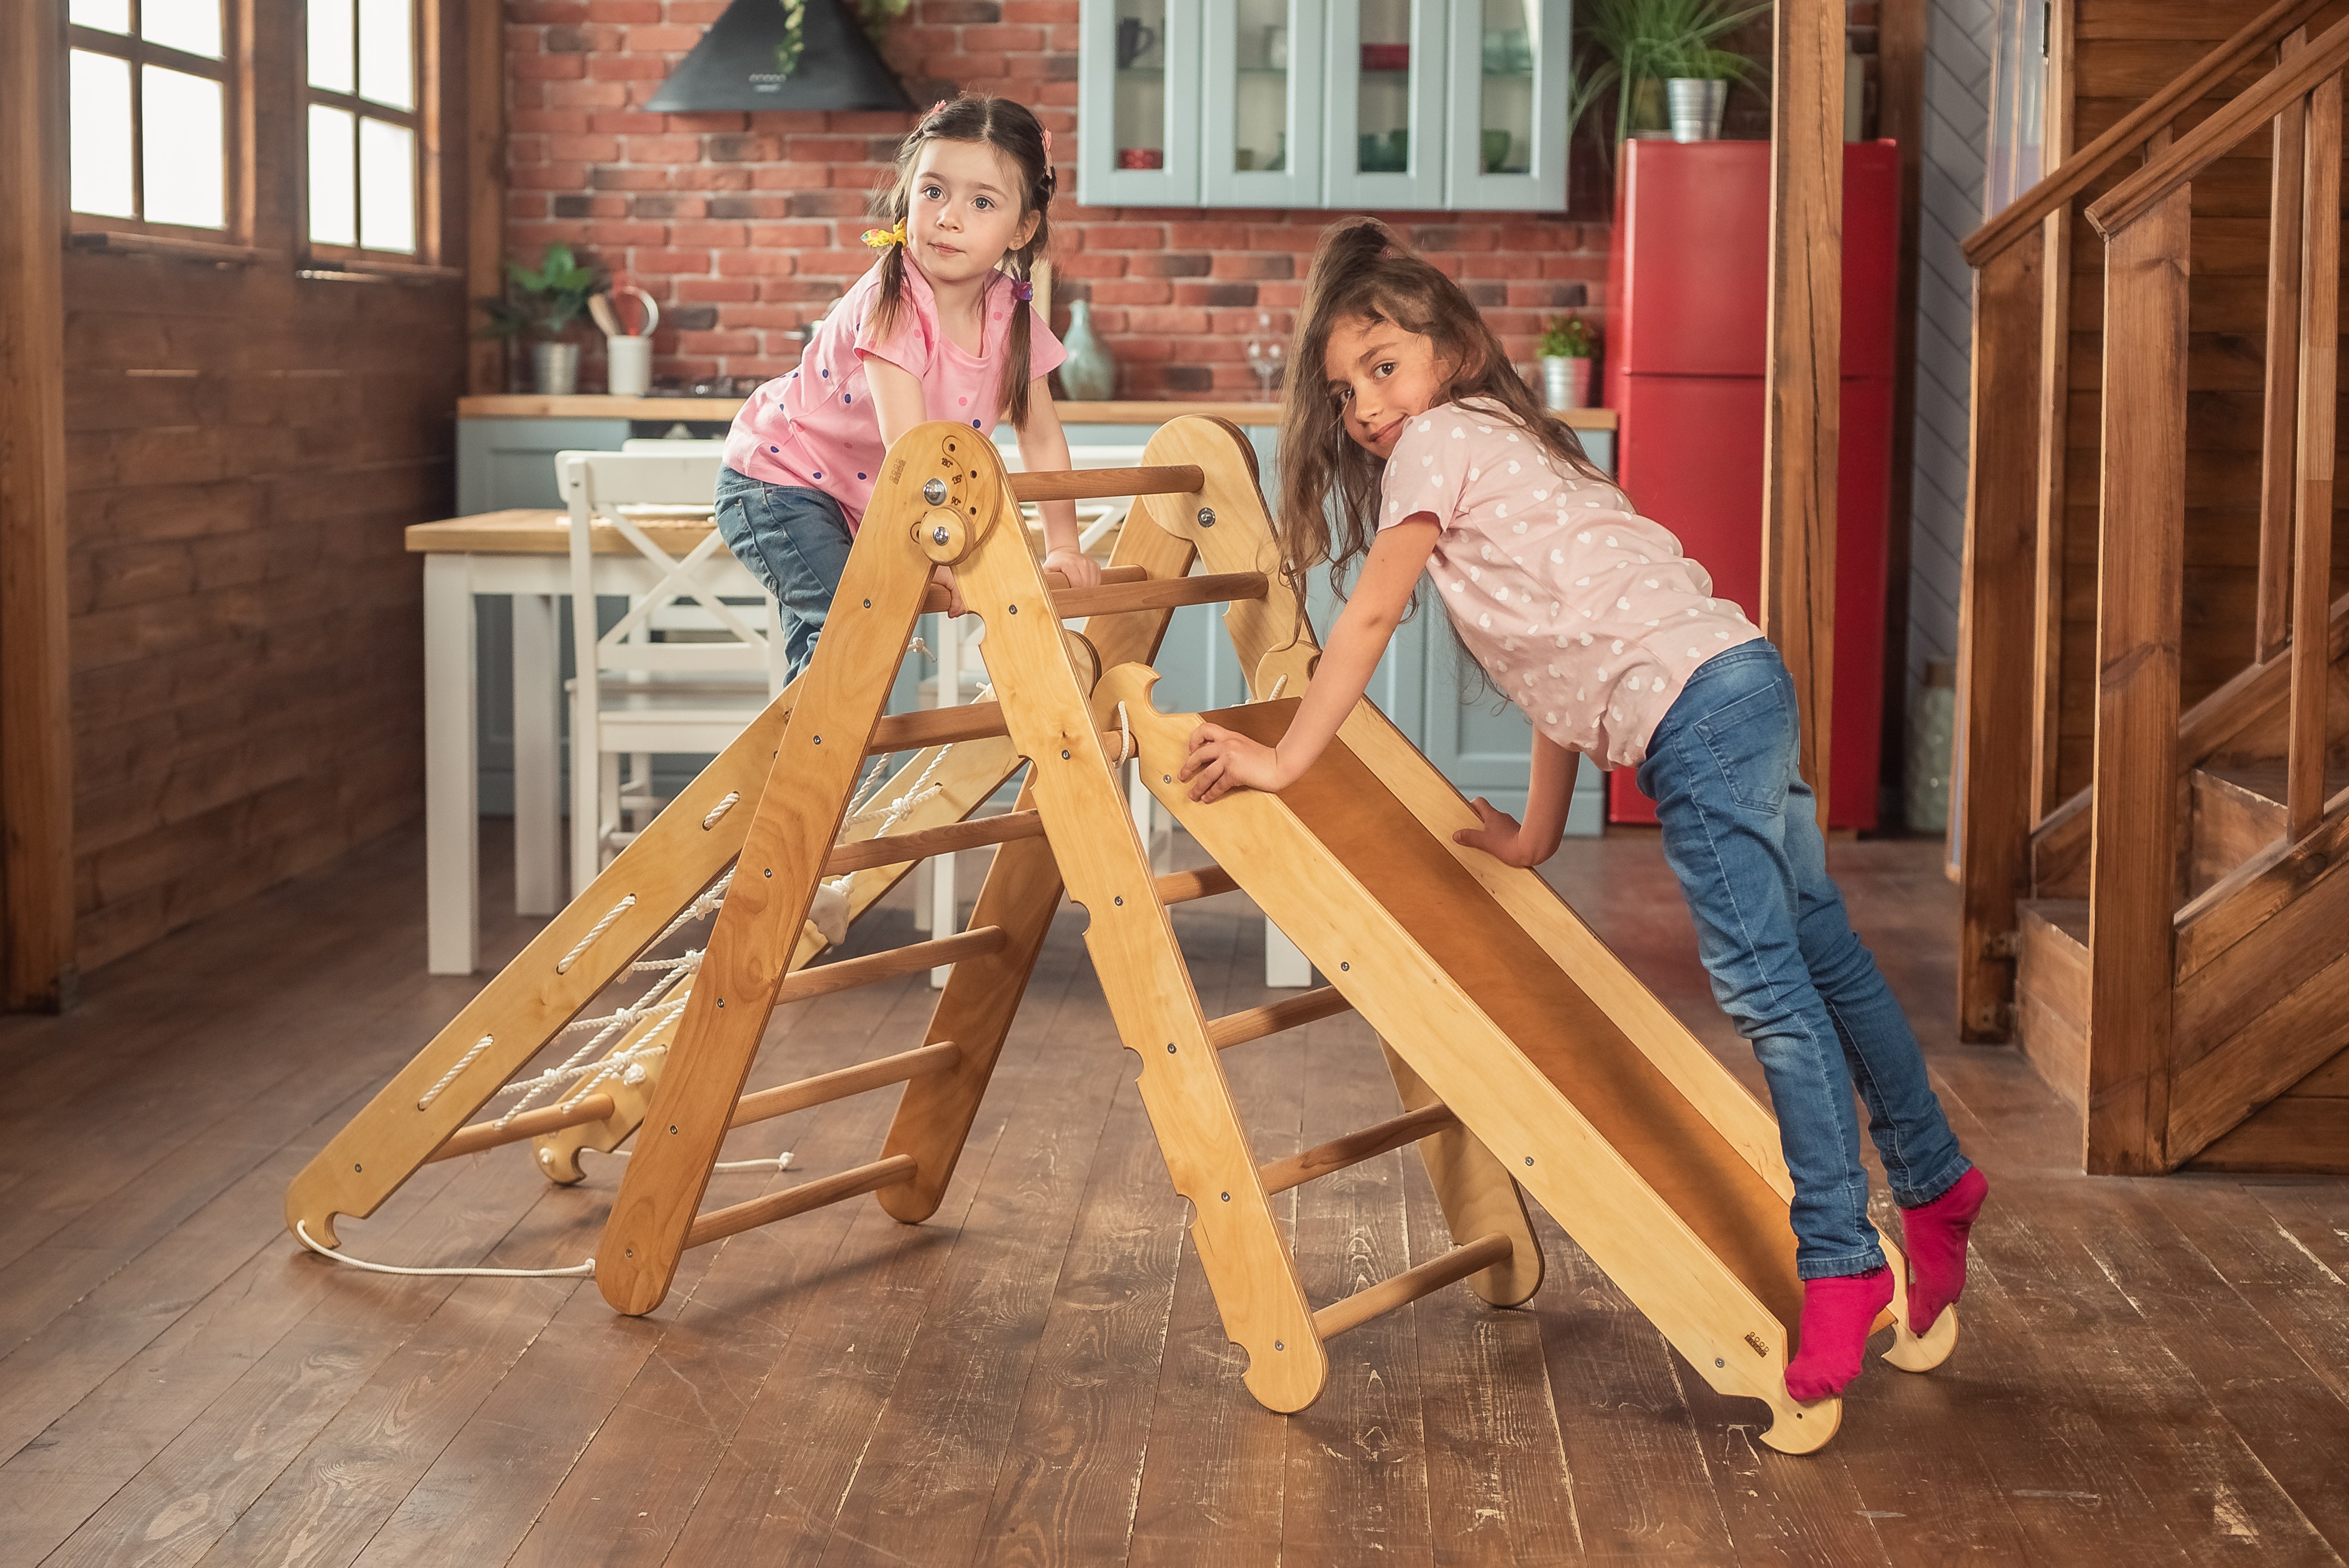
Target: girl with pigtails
940,329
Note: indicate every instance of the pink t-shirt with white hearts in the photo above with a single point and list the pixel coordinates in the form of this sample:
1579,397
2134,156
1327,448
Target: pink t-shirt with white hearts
814,427
1584,613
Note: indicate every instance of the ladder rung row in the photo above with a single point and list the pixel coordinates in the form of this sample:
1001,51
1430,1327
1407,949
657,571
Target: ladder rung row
824,1087
1356,1147
1159,594
1098,484
935,599
936,727
1255,1023
529,1124
1410,1285
718,1223
850,972
1181,887
897,849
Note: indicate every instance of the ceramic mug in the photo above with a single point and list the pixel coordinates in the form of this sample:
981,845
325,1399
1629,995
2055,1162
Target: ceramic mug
629,367
1141,158
1133,40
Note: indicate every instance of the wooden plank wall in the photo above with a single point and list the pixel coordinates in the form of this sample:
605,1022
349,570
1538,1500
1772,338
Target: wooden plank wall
2124,51
243,450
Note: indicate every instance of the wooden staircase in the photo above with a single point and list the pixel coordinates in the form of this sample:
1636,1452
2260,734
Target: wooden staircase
2169,943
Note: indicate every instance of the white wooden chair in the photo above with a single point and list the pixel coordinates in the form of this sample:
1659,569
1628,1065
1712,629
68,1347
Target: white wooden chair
698,655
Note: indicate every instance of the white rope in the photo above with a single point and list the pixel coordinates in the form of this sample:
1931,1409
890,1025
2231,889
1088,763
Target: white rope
720,809
554,1078
701,908
429,1095
563,964
780,1162
302,1232
1124,737
689,962
896,808
1279,684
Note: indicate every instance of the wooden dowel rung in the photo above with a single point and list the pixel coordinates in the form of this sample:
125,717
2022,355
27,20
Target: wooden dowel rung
1255,1023
936,727
1095,484
935,599
897,849
824,979
529,1124
1356,1147
720,1223
1160,593
824,1087
1181,887
1410,1285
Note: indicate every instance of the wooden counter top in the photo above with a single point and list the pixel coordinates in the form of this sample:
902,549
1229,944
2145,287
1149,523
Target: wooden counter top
595,406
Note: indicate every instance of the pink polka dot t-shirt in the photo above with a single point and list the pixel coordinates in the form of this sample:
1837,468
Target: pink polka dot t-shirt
1585,614
814,427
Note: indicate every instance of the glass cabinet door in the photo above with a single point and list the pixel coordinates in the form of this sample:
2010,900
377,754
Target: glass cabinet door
1264,82
1386,104
1507,104
1138,103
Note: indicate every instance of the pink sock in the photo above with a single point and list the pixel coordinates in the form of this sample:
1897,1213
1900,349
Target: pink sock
1935,1234
1836,1315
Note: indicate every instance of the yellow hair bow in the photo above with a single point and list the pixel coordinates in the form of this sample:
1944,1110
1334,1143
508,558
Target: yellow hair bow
882,239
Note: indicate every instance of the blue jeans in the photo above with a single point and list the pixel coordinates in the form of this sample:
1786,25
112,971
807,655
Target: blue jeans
793,541
1741,833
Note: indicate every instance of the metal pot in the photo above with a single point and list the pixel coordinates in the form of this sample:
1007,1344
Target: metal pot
555,368
1566,381
1696,103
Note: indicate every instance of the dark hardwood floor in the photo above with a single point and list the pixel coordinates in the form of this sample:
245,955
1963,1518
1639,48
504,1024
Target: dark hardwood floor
2150,1373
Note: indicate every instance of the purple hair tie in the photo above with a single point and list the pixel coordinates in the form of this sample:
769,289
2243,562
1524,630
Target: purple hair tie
1023,292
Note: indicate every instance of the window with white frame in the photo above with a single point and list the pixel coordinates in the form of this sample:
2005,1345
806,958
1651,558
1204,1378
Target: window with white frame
148,89
362,127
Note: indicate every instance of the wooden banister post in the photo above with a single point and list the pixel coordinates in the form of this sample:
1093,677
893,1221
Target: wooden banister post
2312,563
2281,406
1804,401
1997,614
2132,872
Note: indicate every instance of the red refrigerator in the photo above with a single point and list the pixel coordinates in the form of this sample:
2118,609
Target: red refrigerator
1689,286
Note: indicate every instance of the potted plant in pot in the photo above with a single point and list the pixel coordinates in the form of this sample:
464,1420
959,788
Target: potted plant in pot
1652,42
1567,345
541,307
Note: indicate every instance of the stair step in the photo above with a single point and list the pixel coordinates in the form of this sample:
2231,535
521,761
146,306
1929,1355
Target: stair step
2051,994
2231,817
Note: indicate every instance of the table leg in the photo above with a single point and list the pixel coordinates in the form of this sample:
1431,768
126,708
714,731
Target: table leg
538,841
451,777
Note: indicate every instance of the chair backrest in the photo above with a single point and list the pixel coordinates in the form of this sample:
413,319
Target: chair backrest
673,446
679,577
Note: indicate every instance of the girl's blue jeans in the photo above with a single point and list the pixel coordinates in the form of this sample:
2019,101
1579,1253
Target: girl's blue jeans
795,541
1741,833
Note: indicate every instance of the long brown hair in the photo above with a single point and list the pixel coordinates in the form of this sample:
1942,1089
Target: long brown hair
1011,130
1329,483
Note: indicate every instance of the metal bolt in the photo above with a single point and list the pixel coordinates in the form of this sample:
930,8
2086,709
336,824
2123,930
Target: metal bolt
868,603
1276,1345
770,871
1119,901
1064,757
721,1002
1170,1047
939,535
819,740
1227,1197
672,1132
1015,609
628,1251
1717,1361
1166,778
1207,517
934,491
1345,968
358,1168
1529,1159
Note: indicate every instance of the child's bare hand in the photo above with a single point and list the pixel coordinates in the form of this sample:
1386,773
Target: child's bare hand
1499,835
1079,569
1223,760
944,577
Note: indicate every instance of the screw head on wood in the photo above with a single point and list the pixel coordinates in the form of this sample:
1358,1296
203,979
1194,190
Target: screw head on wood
1227,1197
934,491
1717,1361
1170,1047
1207,517
939,536
1529,1159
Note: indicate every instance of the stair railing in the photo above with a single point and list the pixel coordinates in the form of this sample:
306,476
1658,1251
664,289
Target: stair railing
2009,639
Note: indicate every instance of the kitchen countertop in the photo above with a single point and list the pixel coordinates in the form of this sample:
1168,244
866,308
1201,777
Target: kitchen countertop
597,406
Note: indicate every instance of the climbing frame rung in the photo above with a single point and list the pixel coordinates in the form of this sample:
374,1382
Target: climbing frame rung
1181,887
529,1124
897,849
848,974
1410,1285
1291,1012
824,1087
718,1223
1159,594
936,727
935,599
1369,1143
1098,484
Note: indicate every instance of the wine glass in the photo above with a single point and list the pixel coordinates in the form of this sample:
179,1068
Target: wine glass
1264,352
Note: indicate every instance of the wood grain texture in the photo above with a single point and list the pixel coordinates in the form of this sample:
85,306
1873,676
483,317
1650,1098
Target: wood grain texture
37,963
484,182
1805,332
2280,426
2132,875
2312,555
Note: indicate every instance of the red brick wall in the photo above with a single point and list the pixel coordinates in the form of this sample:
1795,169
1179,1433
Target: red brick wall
745,226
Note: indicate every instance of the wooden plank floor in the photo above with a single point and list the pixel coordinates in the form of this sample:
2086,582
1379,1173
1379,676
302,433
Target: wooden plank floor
2151,1373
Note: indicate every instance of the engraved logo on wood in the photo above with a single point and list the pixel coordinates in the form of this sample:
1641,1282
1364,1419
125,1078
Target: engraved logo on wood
1754,1340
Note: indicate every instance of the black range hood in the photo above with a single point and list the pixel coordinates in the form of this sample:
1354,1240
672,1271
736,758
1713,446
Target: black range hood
737,64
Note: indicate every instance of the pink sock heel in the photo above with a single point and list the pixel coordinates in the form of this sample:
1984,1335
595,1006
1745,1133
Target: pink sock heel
1836,1315
1935,1234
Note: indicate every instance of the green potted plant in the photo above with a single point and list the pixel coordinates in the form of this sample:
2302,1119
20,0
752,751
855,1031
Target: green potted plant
540,306
1567,345
1650,43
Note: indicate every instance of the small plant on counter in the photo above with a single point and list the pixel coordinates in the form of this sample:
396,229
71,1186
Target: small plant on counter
543,304
1568,337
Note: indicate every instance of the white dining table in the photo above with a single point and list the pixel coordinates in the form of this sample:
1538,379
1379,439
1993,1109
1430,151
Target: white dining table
523,555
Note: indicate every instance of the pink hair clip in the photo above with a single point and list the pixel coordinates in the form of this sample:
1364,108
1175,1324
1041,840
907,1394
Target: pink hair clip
1047,142
935,107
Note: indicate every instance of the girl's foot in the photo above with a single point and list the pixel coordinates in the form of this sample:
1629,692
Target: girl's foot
1836,1317
1935,1234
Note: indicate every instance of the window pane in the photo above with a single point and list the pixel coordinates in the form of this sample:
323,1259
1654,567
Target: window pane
387,186
1382,97
386,51
186,174
330,46
193,26
1139,97
1510,34
333,204
99,89
1260,105
106,15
